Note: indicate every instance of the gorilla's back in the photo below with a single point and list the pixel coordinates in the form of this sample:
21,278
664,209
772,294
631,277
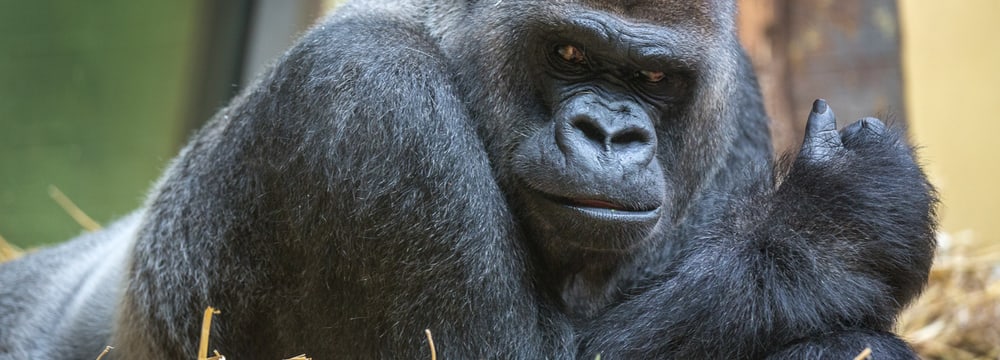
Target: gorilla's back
64,298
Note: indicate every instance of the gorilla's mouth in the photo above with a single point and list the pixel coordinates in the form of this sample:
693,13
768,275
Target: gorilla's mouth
600,204
603,206
595,204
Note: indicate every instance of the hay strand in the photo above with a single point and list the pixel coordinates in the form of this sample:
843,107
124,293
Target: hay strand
107,349
206,330
8,251
430,341
74,211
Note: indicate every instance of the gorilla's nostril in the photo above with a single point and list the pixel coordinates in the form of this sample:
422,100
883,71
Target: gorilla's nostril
590,130
630,136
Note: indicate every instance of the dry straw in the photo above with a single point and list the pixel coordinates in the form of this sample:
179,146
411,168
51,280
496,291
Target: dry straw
74,211
8,251
958,316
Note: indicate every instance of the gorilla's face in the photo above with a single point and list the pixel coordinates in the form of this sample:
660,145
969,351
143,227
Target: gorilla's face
589,173
587,115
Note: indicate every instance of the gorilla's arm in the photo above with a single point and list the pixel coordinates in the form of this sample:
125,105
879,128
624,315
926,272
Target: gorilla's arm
341,206
821,264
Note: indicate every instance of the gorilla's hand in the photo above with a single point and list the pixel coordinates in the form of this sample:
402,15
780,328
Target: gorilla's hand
864,183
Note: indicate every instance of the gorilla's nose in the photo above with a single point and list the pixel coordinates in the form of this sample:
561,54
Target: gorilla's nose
615,134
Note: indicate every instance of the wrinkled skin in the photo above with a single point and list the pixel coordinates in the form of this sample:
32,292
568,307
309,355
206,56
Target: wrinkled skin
526,179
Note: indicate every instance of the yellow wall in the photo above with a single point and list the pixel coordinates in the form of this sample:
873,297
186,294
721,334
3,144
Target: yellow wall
951,62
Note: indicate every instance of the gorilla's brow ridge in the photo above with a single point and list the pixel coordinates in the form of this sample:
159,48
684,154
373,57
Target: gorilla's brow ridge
645,44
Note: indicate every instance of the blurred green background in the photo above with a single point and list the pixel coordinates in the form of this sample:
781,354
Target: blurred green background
97,97
90,102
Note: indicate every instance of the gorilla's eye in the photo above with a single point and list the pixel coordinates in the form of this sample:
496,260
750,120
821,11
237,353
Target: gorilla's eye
650,76
571,53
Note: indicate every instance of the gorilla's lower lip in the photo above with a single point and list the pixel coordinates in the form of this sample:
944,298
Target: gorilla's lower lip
599,204
617,215
604,209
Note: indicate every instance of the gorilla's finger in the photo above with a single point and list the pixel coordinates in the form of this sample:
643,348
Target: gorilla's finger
821,139
862,127
873,124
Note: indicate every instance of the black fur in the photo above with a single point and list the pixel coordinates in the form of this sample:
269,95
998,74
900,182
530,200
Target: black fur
421,165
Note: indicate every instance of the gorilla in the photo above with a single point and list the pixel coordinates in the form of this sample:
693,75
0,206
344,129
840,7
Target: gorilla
526,179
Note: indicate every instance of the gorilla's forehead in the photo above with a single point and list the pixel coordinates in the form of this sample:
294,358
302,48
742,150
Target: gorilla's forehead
707,14
686,28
